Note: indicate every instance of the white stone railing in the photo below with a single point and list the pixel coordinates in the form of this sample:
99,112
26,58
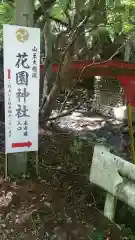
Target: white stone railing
116,176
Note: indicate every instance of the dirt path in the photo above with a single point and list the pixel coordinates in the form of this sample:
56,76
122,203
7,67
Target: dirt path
61,204
63,207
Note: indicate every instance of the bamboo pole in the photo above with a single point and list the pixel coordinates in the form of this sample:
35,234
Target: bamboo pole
131,136
129,112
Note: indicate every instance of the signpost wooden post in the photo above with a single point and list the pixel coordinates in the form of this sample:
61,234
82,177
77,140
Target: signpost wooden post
21,80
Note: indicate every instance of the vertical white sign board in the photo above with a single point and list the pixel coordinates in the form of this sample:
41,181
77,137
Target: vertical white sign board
21,83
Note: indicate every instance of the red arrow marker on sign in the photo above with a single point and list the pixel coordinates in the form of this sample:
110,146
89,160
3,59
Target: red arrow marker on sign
9,74
21,144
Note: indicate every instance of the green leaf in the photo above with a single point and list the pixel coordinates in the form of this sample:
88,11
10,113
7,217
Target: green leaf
63,4
6,17
57,12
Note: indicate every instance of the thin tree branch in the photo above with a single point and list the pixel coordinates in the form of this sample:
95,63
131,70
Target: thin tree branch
45,5
67,96
67,14
74,36
98,63
64,114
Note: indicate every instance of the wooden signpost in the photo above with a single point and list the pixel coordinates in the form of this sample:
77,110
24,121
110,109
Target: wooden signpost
21,83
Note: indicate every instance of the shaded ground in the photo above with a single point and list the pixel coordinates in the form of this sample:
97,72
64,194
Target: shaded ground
98,129
61,204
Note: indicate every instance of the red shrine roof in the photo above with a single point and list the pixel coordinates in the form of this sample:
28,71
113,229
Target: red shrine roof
121,70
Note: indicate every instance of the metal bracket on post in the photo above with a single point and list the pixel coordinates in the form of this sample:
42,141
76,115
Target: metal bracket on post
26,16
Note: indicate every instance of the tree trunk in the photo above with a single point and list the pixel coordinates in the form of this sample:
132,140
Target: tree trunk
51,99
63,78
81,47
48,54
47,85
24,13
